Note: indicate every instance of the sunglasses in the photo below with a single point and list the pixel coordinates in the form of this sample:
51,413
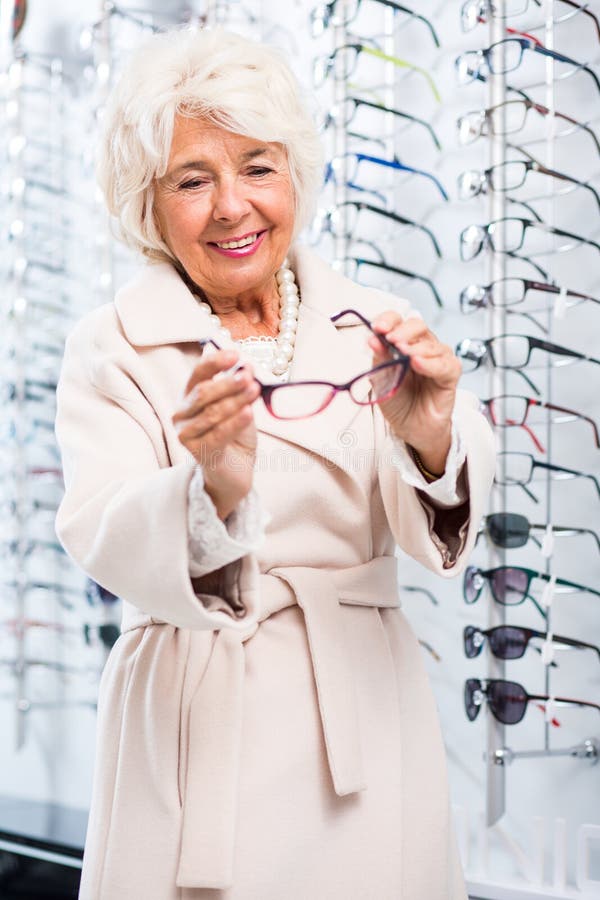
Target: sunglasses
510,585
508,700
303,399
512,530
511,641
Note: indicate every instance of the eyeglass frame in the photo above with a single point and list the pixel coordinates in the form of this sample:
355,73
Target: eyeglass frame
529,286
531,402
381,161
529,104
563,472
488,574
499,519
469,631
531,165
483,687
380,211
330,118
398,359
329,9
487,240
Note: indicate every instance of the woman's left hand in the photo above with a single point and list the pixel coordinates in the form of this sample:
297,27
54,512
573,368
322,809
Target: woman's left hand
420,412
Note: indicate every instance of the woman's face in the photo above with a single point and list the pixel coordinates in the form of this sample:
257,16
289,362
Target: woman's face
225,208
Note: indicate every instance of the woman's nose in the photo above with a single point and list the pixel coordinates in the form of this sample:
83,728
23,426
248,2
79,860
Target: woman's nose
231,201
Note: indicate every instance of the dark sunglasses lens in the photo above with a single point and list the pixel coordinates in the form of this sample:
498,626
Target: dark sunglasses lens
473,641
509,585
508,642
471,584
508,701
508,529
472,687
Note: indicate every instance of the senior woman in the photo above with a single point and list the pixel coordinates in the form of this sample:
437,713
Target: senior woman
265,725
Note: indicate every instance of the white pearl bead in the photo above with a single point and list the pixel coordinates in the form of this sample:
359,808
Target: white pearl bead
205,306
288,289
224,334
287,334
215,319
289,322
285,349
292,302
285,275
280,364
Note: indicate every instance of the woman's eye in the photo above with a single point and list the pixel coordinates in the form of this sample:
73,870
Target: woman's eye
192,183
260,170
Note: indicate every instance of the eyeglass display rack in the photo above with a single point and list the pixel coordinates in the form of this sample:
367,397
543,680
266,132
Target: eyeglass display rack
527,820
506,855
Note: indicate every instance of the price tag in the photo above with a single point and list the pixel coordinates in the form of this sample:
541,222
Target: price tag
548,593
548,650
550,711
560,304
547,548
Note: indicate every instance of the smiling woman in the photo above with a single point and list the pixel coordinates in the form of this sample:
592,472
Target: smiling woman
265,724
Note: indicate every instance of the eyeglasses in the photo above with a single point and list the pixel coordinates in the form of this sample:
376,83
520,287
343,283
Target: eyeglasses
302,399
511,351
350,161
507,235
343,114
517,468
343,220
342,62
511,641
475,11
507,410
508,700
506,56
511,530
357,262
326,14
506,292
508,176
509,117
509,585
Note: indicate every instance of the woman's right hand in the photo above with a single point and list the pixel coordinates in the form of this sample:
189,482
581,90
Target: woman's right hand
215,423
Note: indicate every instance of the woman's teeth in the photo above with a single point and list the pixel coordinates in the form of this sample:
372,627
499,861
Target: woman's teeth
234,245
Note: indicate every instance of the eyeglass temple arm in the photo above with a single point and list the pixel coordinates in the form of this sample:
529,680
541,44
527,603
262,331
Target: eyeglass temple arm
561,351
573,584
566,701
574,414
566,59
556,289
396,164
534,166
401,219
573,472
572,642
353,312
583,9
401,114
414,15
564,531
405,272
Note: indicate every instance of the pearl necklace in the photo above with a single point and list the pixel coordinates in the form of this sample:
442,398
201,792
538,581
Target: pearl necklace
289,302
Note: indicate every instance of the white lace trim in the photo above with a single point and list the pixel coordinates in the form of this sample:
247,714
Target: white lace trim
446,491
260,350
213,543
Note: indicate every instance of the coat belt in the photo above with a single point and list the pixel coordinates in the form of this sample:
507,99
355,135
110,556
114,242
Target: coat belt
208,830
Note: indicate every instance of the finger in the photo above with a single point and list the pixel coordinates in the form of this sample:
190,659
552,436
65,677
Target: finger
212,417
222,434
385,321
444,369
211,391
210,365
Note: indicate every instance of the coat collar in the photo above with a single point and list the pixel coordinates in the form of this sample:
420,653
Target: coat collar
157,308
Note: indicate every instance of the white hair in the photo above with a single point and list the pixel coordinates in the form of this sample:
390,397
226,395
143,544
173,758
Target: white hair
230,81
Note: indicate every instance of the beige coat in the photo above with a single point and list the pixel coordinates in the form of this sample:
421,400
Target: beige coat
291,750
